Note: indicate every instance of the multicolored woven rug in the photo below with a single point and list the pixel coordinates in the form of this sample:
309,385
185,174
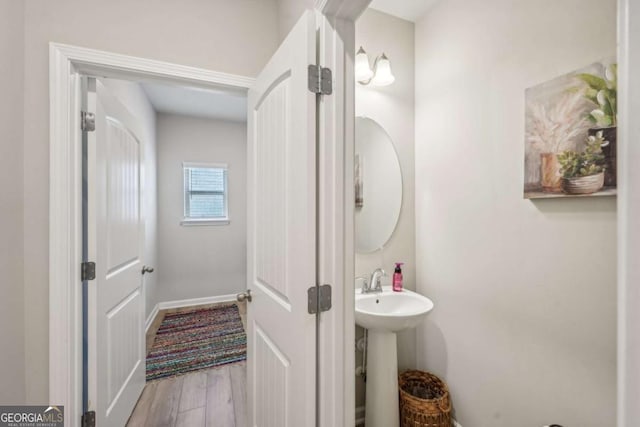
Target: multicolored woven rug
194,340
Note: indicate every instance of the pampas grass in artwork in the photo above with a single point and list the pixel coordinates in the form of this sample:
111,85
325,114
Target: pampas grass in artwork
554,128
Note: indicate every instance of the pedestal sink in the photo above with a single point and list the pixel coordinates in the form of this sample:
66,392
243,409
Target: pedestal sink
383,314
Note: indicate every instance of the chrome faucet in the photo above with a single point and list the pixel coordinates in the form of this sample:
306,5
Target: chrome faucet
375,283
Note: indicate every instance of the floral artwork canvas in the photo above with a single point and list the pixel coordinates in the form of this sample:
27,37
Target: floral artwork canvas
570,134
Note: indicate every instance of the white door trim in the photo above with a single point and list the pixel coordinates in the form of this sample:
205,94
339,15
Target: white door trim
336,208
346,10
336,253
628,212
65,213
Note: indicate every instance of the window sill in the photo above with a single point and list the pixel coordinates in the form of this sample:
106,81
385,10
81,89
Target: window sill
200,222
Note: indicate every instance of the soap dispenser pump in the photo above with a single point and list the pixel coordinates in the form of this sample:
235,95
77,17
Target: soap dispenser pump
397,277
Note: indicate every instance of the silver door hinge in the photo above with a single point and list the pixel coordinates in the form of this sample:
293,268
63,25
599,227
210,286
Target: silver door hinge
319,298
87,121
320,80
88,271
89,419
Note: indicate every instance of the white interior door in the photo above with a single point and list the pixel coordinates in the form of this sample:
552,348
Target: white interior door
282,236
116,356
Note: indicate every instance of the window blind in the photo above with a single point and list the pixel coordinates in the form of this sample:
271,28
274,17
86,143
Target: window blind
205,192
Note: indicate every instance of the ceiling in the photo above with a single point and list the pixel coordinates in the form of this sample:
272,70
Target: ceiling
411,10
197,102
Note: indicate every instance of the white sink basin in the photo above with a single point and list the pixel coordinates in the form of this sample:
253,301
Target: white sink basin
390,311
384,314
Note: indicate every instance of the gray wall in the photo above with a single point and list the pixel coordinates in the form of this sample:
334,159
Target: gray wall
12,386
524,324
208,260
231,36
393,108
132,96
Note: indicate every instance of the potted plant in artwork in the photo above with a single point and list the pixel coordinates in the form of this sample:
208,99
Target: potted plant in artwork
602,93
553,130
583,172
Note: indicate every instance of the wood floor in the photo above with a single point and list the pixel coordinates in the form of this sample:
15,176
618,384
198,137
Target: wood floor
209,398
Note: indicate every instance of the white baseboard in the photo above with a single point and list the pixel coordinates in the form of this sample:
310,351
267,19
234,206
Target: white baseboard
186,303
151,317
196,301
360,416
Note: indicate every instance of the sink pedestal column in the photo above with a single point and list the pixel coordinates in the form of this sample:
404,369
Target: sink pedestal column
382,380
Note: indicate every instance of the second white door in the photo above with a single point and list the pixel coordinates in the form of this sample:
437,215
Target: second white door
282,236
116,358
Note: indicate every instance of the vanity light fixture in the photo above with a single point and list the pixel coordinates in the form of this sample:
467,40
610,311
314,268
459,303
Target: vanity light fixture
380,75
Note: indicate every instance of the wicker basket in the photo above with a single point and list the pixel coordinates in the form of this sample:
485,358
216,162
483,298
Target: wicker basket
418,411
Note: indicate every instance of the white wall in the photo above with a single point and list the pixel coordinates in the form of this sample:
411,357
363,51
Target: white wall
12,368
524,324
289,11
393,108
132,96
231,36
200,261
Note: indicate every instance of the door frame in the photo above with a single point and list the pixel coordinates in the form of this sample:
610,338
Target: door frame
336,212
67,64
336,391
628,361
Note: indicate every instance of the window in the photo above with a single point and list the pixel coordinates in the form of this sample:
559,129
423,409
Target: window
205,194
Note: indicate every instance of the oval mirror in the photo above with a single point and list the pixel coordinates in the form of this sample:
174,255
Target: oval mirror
378,182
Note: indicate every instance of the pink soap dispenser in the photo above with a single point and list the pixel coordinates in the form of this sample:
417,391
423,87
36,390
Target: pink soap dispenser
397,277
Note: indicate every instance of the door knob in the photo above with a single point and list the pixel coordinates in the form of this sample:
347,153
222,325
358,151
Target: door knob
242,296
146,269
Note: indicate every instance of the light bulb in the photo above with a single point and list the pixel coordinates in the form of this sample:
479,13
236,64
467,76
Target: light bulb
382,73
362,68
